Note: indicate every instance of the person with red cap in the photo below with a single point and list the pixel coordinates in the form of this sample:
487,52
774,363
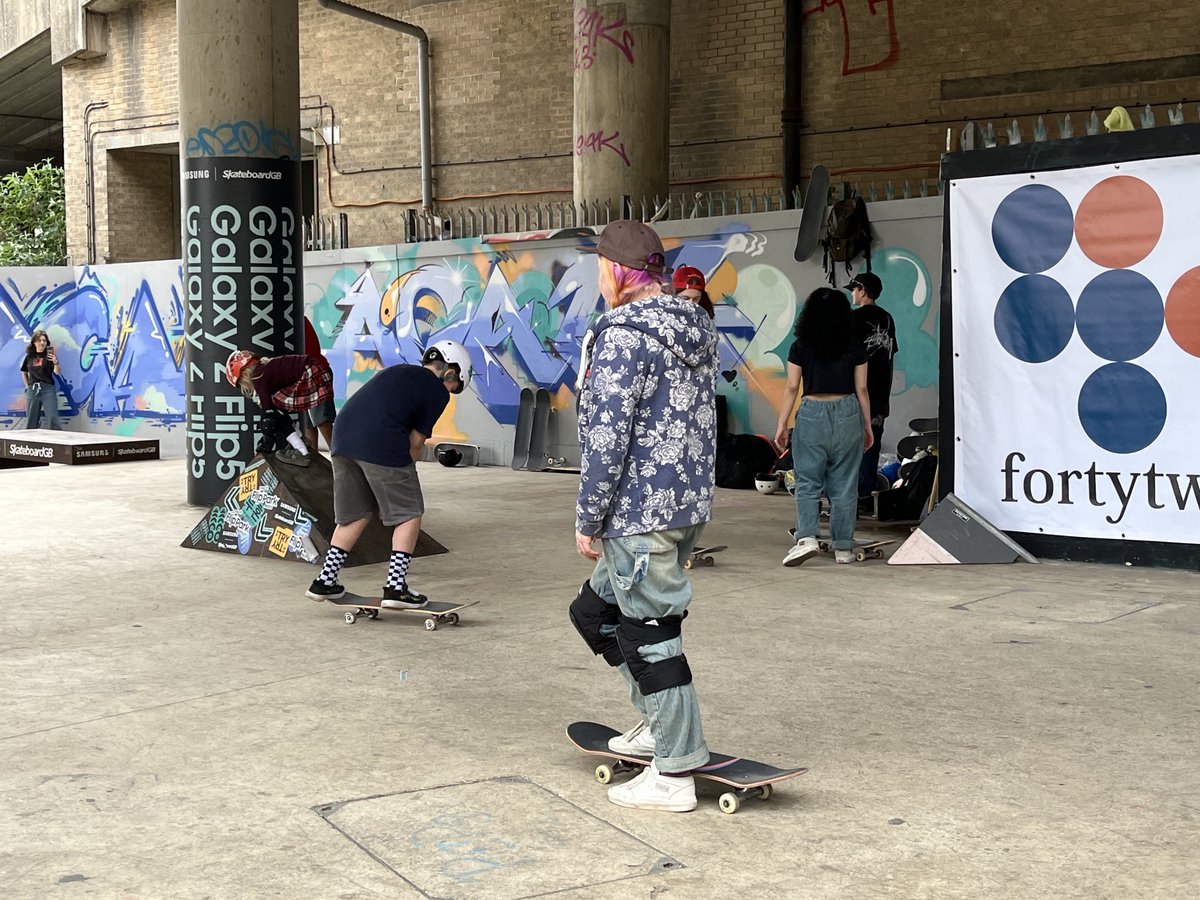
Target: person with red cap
689,282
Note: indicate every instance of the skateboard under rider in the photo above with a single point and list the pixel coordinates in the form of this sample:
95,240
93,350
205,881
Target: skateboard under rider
747,777
703,556
433,611
863,551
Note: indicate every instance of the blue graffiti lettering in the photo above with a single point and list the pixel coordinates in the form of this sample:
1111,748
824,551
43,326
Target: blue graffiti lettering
242,138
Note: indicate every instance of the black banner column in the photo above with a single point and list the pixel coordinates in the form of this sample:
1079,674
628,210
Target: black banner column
239,90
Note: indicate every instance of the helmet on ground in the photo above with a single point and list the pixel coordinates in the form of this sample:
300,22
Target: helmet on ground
766,482
237,361
453,354
449,457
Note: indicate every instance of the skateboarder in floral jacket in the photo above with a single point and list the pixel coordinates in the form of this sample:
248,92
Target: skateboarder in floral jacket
647,429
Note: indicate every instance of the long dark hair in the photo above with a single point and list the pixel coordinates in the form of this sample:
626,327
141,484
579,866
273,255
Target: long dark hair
825,325
33,337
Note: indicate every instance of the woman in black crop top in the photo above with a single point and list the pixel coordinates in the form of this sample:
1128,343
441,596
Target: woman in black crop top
833,424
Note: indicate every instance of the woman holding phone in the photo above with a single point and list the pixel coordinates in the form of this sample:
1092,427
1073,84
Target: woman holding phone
38,371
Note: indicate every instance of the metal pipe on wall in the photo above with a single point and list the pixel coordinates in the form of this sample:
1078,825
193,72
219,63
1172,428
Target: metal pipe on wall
423,105
791,116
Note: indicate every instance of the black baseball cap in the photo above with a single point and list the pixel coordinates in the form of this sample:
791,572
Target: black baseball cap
632,244
869,282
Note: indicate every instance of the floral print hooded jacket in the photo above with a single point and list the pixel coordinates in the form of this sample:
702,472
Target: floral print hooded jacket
648,419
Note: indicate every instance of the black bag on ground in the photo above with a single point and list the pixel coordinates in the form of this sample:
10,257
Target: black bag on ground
742,456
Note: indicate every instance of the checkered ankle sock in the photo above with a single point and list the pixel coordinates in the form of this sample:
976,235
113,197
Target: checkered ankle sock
333,564
398,569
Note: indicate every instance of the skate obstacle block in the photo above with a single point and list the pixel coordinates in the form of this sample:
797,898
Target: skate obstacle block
41,446
954,534
279,511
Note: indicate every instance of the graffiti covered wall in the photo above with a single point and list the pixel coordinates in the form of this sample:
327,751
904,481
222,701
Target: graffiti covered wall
519,306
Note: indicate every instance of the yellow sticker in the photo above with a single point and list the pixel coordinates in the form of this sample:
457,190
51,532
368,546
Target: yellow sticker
280,540
247,484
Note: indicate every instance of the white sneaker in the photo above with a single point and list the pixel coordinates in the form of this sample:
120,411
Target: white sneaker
652,790
637,741
843,556
804,549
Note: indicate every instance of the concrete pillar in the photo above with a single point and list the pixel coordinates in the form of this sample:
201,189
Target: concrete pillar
622,101
239,126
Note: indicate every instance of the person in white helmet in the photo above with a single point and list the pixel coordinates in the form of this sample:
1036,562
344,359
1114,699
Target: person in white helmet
377,437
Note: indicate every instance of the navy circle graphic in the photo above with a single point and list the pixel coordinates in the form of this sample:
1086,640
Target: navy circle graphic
1122,408
1033,228
1034,318
1120,315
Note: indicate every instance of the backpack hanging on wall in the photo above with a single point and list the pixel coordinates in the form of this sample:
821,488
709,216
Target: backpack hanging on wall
847,234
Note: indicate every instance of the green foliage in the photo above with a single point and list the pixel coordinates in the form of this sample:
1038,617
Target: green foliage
33,217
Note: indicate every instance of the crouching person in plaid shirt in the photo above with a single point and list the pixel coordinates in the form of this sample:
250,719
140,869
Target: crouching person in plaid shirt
282,385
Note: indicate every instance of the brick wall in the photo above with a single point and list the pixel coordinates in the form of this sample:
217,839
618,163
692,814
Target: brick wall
882,83
143,206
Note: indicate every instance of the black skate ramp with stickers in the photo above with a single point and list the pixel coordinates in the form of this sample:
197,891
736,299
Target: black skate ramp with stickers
281,511
42,446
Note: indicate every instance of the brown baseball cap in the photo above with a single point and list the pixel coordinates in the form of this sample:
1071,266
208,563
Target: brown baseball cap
632,244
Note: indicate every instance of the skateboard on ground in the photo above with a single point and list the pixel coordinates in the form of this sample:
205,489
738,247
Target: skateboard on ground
862,552
703,556
812,215
524,429
747,777
537,435
433,611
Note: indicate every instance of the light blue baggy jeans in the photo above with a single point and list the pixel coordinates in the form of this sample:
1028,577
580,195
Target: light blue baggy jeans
827,450
643,575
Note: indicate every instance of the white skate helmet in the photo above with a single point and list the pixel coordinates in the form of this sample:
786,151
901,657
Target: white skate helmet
766,482
453,354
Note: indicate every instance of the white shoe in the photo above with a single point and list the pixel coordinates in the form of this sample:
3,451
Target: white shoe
843,556
805,548
652,790
637,741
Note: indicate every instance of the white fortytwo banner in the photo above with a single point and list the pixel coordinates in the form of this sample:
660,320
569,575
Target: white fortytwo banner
1076,341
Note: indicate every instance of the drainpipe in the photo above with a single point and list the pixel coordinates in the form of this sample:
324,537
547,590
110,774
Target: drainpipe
422,82
791,114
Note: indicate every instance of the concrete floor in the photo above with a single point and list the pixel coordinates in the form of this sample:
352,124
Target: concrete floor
186,724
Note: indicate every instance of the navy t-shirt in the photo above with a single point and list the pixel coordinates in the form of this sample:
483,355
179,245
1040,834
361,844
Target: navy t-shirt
828,376
375,423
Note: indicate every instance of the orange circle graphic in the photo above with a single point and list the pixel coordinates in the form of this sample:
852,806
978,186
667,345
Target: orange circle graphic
1183,312
1119,222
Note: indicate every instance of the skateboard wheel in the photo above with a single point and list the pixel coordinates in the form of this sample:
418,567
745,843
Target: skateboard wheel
349,618
877,554
687,564
374,613
431,624
860,555
604,773
729,803
766,792
452,618
708,561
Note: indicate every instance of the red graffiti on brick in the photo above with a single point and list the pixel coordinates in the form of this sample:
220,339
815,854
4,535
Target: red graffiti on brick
590,27
855,22
597,142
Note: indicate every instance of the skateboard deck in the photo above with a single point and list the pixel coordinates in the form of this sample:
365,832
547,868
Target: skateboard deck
370,607
908,447
537,435
747,777
923,426
862,552
812,216
703,556
524,430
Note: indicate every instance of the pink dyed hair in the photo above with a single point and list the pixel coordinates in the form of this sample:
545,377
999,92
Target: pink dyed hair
627,281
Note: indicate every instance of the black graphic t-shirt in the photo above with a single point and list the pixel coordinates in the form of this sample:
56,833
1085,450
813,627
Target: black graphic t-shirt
39,368
877,331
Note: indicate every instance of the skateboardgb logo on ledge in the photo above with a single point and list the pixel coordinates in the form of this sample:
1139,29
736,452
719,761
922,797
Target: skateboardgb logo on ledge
258,516
1076,335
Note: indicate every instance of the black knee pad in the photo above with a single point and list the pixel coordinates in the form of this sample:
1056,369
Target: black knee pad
589,613
658,676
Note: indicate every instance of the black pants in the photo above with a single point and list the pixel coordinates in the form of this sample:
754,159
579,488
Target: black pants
868,472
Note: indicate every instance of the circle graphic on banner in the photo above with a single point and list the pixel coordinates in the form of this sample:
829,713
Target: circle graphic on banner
1032,228
1122,407
1183,312
1119,315
1119,222
1035,318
